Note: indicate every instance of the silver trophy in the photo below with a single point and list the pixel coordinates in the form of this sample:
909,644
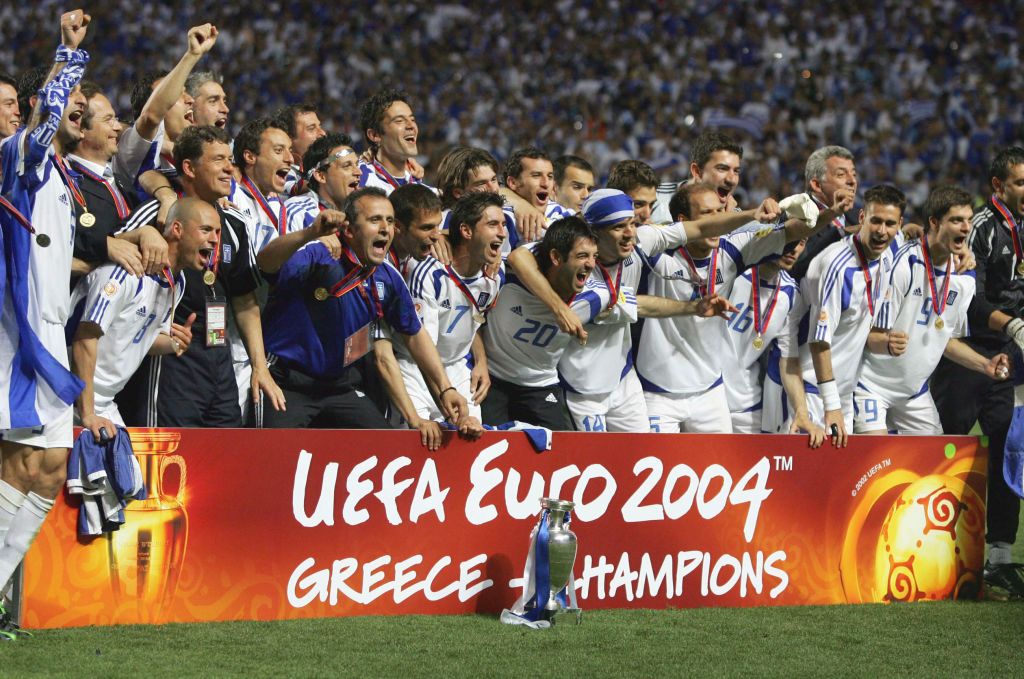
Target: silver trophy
561,557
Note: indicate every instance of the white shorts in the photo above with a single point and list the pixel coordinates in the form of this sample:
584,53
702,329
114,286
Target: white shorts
774,408
748,422
874,412
623,410
243,378
57,433
459,375
704,412
107,410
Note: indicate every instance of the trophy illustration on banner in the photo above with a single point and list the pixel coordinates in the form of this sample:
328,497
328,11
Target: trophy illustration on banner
145,556
548,587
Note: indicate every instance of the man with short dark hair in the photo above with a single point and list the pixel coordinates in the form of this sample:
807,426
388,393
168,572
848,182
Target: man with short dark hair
715,160
964,396
10,114
332,174
302,124
390,131
465,170
574,181
263,156
638,181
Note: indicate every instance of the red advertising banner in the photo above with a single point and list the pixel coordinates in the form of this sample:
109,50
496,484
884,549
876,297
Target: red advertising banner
272,524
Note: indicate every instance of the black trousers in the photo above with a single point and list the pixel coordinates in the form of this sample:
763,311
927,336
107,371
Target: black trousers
963,396
339,403
542,406
196,389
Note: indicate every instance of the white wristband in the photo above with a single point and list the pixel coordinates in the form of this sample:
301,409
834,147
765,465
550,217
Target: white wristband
830,395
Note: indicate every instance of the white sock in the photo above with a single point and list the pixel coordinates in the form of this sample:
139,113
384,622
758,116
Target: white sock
999,553
11,500
23,531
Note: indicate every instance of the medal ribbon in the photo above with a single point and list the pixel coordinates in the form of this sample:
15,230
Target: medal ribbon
613,289
20,218
1011,225
705,287
461,285
938,304
869,291
119,202
69,182
353,279
761,324
215,264
280,221
389,178
174,298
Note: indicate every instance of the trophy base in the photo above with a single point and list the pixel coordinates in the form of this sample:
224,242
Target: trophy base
563,615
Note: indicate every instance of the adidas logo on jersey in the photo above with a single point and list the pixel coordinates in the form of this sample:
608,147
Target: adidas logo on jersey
917,292
1006,250
141,312
551,398
64,198
517,310
445,304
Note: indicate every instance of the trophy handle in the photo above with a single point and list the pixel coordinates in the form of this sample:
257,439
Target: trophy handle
178,461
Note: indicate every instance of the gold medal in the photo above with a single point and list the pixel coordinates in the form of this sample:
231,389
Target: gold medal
478,318
1020,269
209,277
87,219
320,294
939,323
43,240
758,343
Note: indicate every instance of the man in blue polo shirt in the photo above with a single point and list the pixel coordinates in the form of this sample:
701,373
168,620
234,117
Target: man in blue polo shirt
322,315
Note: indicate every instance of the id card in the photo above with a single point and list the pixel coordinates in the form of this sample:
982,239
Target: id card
357,345
216,323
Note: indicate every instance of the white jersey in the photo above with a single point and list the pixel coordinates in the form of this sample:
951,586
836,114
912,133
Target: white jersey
522,338
131,312
302,211
374,174
597,366
741,367
663,196
690,345
259,221
446,311
833,308
512,239
909,308
554,211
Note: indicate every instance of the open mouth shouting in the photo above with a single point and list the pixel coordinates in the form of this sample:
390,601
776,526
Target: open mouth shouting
221,122
379,249
205,257
541,199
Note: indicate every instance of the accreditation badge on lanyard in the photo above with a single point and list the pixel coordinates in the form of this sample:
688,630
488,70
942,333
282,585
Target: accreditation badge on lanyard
357,345
216,322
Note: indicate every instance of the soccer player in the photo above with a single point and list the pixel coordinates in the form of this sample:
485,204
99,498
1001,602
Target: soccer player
715,161
694,399
122,317
764,296
39,224
302,124
333,174
838,298
602,389
522,340
210,103
263,155
530,187
828,169
10,114
574,181
390,130
920,321
417,225
321,318
452,302
964,396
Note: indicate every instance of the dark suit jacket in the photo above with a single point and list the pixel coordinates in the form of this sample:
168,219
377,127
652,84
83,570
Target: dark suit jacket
91,242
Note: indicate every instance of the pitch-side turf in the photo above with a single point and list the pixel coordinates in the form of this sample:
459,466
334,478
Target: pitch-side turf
923,640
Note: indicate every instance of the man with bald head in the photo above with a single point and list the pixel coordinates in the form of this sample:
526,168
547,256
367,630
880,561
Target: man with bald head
122,318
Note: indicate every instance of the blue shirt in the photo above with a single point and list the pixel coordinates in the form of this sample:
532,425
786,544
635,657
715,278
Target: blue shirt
309,334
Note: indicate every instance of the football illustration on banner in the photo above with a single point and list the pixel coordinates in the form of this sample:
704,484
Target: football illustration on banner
928,534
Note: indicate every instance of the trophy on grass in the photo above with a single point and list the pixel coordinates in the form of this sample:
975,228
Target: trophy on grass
549,587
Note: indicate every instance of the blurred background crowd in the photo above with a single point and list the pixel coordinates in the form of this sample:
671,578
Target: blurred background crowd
920,92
